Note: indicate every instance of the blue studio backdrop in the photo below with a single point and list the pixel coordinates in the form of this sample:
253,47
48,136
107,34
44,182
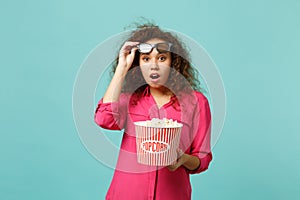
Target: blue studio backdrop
255,45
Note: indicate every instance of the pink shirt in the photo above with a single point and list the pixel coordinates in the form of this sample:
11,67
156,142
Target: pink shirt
134,181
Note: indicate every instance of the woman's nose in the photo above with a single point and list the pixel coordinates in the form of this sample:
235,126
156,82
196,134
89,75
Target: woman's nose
154,66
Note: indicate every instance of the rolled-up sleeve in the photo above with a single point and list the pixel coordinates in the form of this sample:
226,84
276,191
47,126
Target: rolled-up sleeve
111,115
200,146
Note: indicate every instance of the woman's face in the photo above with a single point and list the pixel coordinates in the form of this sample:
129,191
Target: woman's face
155,66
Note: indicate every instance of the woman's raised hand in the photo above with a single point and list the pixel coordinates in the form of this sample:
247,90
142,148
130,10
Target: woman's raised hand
126,56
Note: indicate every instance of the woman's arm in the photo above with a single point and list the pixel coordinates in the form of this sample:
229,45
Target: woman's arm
111,110
198,158
126,57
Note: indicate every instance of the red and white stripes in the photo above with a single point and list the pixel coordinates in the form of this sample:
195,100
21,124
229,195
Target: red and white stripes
157,146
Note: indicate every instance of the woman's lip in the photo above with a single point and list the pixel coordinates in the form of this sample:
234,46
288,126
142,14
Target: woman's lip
154,80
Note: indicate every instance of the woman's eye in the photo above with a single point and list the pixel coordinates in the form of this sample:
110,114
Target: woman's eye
145,59
162,58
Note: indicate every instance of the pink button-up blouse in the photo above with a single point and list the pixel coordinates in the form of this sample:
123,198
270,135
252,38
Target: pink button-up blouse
134,181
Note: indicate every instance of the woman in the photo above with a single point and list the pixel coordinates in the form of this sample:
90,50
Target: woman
154,79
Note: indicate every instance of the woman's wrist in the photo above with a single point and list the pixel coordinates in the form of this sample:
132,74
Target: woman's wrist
121,70
114,89
192,162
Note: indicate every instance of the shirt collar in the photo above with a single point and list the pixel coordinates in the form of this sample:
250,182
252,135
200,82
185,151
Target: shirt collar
173,98
146,92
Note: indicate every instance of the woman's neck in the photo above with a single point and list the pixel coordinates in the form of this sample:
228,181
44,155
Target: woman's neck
162,91
161,95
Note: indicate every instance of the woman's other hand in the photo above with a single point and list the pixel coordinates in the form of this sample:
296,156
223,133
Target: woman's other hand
186,160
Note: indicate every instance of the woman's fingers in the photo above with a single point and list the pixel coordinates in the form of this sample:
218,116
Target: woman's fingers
175,166
182,158
179,153
131,54
127,48
126,54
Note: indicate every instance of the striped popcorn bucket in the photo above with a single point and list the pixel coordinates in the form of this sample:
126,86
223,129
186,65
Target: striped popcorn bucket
157,146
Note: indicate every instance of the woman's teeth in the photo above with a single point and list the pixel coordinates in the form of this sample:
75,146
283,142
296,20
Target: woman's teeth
154,76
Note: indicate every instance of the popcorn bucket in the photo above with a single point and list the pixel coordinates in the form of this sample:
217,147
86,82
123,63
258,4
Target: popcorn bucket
157,146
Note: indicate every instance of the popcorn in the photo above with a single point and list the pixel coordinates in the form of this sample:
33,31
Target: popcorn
162,123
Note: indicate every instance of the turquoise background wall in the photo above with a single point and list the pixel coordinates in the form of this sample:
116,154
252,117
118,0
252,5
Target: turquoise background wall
255,45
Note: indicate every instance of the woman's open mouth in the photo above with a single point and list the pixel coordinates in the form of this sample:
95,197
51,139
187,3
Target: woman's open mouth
154,76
